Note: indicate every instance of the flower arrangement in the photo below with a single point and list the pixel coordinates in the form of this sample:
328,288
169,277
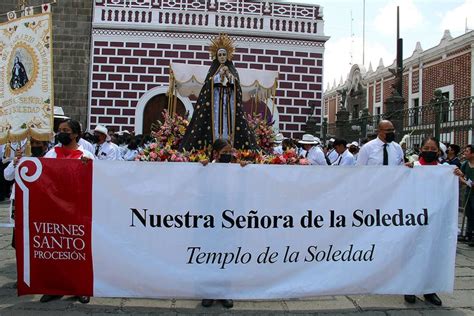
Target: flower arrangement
198,155
264,134
159,154
155,153
289,157
249,156
170,132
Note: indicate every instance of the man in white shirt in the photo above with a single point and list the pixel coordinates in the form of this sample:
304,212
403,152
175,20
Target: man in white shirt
86,145
103,149
332,154
313,153
345,158
382,150
354,149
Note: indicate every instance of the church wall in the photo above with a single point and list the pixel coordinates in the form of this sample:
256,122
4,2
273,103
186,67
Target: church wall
125,65
135,41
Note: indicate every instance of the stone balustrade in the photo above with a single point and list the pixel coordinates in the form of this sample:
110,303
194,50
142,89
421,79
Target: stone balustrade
237,17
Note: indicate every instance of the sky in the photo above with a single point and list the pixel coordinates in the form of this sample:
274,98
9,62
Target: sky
421,21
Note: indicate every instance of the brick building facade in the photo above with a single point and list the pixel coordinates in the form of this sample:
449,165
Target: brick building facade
448,67
134,42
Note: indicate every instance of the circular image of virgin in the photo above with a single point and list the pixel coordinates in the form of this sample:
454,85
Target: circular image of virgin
21,67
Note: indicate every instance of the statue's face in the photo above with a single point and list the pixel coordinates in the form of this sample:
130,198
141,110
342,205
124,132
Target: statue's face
222,56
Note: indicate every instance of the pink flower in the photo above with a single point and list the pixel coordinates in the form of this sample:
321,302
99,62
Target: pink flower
153,146
153,155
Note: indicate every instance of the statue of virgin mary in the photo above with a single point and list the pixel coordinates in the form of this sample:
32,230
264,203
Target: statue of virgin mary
218,113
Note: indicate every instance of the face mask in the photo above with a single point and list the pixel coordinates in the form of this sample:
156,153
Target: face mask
226,158
64,138
390,137
37,151
429,156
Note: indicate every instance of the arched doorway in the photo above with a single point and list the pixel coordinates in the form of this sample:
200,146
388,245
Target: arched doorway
154,109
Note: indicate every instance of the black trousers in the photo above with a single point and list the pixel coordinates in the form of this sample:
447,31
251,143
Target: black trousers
5,185
470,217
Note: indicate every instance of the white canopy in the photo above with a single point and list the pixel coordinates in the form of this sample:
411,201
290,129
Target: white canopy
189,80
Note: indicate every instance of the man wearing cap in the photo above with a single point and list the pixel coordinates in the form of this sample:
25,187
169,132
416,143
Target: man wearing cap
278,149
103,149
345,158
313,153
353,149
382,150
332,155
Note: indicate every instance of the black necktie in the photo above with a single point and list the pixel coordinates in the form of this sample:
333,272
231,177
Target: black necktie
385,155
97,148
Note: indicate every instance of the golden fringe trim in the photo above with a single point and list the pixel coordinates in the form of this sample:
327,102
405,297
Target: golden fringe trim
28,148
44,137
8,150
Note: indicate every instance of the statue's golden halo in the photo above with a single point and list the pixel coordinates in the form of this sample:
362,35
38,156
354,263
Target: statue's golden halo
222,41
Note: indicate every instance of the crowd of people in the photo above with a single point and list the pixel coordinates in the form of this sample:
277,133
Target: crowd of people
378,149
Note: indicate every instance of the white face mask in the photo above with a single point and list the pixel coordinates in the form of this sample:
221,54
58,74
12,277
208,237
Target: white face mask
222,56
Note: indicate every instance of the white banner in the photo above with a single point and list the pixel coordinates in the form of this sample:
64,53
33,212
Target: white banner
26,88
185,230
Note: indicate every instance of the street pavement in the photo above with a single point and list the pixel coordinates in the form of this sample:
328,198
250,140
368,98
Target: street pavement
461,302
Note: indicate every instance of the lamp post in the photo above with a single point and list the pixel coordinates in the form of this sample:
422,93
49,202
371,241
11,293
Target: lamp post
395,102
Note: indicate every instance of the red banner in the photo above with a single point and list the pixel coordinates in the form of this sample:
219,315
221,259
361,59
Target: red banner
56,209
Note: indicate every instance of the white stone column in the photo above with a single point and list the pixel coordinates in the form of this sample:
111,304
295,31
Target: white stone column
472,71
420,84
410,87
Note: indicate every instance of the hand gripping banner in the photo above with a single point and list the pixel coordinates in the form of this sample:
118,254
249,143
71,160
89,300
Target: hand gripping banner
183,230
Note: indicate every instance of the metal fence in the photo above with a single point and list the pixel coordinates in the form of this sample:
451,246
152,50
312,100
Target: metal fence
449,121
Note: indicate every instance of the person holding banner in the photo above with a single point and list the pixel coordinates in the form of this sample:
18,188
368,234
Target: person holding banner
69,132
428,157
221,152
38,149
